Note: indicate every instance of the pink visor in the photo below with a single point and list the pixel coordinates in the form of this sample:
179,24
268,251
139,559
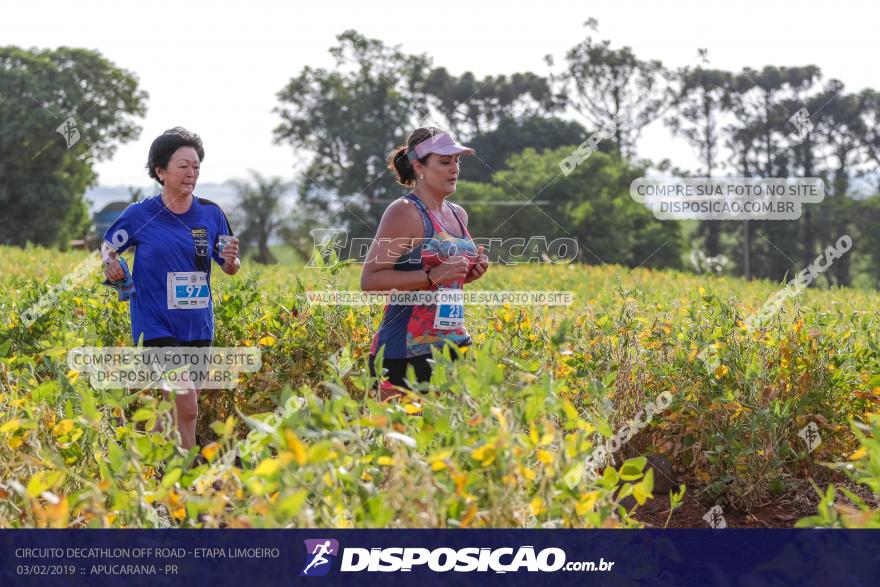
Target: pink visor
441,144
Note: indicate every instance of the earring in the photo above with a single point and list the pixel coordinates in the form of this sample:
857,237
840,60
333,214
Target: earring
422,176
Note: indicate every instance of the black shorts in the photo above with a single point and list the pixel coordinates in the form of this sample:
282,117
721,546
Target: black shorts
396,368
157,357
165,341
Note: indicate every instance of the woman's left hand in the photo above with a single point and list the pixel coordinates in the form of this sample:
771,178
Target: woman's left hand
230,256
478,270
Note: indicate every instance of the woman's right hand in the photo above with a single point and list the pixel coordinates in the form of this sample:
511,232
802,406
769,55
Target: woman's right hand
113,270
453,268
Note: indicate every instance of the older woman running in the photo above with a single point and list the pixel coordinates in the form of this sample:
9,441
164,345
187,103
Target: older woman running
176,234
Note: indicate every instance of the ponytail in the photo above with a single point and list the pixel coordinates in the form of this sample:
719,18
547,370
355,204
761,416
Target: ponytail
400,164
399,161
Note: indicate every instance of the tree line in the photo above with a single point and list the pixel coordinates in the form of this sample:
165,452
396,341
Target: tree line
778,121
344,120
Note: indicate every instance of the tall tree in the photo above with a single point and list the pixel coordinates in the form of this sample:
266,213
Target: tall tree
760,141
850,131
62,110
703,100
843,134
514,135
470,107
349,119
259,202
613,88
871,117
346,121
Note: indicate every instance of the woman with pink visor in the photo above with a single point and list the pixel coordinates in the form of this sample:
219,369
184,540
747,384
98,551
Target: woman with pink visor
422,243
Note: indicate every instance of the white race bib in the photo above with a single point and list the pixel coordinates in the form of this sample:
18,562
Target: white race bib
450,309
188,290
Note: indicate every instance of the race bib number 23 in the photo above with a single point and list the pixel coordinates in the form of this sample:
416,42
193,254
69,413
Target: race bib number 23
188,290
450,309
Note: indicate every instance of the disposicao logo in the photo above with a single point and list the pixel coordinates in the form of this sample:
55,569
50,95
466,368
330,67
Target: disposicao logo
320,554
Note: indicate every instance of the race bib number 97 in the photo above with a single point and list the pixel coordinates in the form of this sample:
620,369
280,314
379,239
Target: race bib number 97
188,290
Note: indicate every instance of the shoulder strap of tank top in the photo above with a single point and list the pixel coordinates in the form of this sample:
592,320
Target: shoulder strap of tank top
464,230
426,218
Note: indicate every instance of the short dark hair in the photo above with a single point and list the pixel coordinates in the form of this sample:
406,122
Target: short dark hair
165,145
399,161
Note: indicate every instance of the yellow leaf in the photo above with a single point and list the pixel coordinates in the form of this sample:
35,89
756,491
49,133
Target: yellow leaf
545,457
469,516
537,506
44,481
502,422
63,427
209,451
15,442
485,454
527,473
268,466
299,450
57,514
546,439
721,371
586,503
533,434
51,515
440,455
860,453
479,453
179,514
641,493
438,466
11,426
460,480
384,461
267,340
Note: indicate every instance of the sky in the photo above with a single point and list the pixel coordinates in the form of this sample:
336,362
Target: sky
215,67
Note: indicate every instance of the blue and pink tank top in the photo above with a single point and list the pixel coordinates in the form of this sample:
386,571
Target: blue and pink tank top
408,331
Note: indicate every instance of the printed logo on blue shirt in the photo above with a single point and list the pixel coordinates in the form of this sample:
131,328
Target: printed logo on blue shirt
200,241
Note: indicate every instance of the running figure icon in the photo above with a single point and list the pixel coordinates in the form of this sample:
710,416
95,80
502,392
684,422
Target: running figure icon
319,552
